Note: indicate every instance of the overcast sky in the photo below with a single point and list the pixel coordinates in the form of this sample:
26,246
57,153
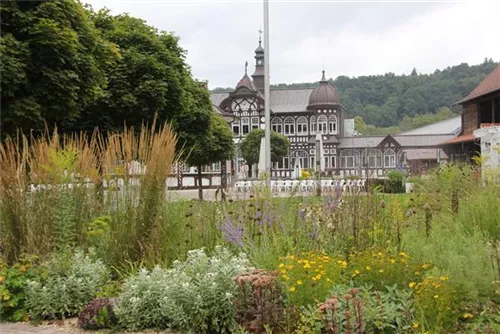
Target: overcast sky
346,38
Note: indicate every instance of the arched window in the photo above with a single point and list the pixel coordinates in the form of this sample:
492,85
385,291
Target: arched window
313,125
349,159
289,126
277,125
332,124
389,158
374,158
302,158
322,124
245,125
302,125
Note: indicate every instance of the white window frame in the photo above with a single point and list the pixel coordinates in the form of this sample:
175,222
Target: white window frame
332,124
254,123
313,126
374,158
236,126
245,122
389,158
302,128
322,124
349,158
289,126
277,125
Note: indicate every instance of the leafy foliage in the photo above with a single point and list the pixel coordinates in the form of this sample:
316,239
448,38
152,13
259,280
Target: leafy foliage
13,287
250,146
70,283
53,62
195,296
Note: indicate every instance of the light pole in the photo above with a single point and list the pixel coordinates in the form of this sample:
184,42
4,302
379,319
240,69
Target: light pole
267,94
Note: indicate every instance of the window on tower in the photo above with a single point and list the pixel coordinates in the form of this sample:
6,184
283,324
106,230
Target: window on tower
236,129
322,124
245,125
255,123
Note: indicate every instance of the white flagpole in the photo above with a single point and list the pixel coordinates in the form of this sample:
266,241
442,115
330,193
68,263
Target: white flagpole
267,92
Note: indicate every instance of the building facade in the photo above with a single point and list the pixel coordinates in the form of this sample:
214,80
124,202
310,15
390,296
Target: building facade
480,109
301,114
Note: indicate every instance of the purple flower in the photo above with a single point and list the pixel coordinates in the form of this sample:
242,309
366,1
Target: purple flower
231,232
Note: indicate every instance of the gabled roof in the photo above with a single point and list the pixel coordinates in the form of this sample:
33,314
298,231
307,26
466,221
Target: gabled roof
490,84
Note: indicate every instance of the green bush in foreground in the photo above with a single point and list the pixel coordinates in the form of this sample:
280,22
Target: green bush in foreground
195,296
70,283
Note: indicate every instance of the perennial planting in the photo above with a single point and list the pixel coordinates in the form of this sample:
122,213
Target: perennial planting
426,262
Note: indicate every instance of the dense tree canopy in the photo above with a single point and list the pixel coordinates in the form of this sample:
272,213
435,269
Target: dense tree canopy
53,63
68,66
250,146
385,100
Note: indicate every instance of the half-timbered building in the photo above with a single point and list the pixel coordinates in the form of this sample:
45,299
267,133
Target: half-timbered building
301,114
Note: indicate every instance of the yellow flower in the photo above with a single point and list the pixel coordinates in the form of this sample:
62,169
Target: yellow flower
285,277
393,261
281,265
356,272
467,316
329,280
417,273
290,267
436,296
314,278
415,325
412,284
292,289
299,282
307,265
444,278
403,254
381,271
368,268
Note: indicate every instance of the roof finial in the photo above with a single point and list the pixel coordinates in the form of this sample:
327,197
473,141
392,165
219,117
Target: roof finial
246,65
260,36
323,77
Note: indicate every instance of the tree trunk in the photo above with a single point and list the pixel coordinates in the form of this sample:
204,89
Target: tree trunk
200,185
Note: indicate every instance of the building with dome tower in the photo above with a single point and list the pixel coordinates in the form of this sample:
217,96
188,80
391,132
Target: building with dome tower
302,114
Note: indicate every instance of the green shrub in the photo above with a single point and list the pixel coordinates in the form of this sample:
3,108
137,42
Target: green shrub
71,282
387,185
13,288
194,296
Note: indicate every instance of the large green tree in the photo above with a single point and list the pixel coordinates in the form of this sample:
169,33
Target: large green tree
250,146
217,145
53,64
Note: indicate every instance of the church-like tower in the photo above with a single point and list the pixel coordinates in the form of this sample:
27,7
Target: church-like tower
258,75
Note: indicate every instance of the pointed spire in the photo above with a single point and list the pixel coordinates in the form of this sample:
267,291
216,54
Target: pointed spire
323,77
246,65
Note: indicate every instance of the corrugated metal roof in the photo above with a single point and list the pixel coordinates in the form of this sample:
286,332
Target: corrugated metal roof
421,140
282,100
290,100
217,98
490,84
359,142
425,154
448,126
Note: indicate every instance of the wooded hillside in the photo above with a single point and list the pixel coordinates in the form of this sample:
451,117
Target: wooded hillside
385,100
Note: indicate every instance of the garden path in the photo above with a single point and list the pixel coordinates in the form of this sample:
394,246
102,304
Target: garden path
23,328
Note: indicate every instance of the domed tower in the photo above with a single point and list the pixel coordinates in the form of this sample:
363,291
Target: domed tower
323,97
258,75
324,103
